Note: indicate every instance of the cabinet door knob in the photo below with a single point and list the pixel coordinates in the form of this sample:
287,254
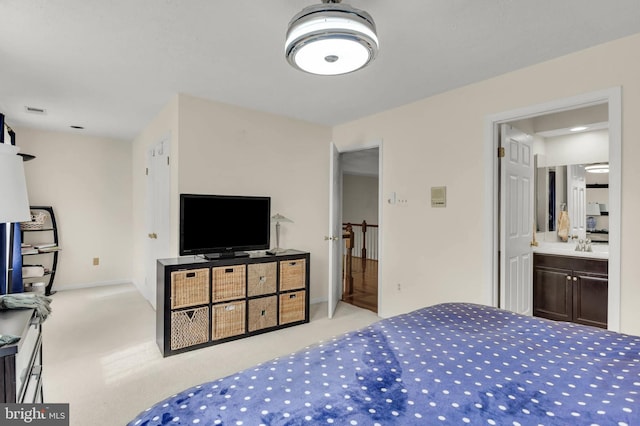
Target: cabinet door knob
568,278
575,278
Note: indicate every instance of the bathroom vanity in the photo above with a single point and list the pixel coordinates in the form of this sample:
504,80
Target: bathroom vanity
569,285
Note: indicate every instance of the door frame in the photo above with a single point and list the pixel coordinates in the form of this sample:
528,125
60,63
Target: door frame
377,143
491,220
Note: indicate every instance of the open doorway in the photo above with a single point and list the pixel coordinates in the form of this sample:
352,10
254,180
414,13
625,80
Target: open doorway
610,102
365,260
360,212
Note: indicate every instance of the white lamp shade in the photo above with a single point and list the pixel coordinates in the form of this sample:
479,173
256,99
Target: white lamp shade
593,209
14,202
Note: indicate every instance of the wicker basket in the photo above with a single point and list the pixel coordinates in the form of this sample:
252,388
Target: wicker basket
292,274
189,288
292,307
228,282
263,313
189,327
37,221
261,279
227,320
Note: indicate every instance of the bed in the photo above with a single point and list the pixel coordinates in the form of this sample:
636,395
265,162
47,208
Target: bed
453,363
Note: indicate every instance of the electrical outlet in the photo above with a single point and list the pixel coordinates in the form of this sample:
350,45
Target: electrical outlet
96,261
399,287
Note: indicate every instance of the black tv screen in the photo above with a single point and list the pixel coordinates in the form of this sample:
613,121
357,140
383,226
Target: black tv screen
223,224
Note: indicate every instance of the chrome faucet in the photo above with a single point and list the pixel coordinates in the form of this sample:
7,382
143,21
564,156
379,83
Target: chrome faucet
584,245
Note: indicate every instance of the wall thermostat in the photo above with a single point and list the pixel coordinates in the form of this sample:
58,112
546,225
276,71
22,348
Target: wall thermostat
438,196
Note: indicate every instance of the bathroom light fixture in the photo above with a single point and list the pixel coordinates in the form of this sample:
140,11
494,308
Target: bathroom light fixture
578,128
597,168
331,39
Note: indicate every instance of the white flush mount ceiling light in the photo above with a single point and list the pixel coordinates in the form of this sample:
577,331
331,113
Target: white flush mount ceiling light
331,39
597,168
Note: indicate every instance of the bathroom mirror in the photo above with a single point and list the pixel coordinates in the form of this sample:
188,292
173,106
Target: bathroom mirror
551,197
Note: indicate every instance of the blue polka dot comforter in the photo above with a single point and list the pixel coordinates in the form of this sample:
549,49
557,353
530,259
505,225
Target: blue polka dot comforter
452,363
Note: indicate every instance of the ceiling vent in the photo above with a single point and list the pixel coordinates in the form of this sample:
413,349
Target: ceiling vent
34,110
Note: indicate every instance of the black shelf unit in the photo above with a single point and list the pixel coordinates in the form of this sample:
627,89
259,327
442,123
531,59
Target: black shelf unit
53,229
252,301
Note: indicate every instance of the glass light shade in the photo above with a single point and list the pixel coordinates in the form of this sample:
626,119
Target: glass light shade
331,39
279,218
344,56
14,203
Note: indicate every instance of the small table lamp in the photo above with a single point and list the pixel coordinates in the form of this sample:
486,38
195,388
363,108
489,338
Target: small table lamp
14,203
277,218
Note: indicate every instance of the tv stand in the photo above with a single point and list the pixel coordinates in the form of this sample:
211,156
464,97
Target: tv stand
207,302
226,255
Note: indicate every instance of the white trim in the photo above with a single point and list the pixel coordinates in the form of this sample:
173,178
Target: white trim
611,96
94,284
320,300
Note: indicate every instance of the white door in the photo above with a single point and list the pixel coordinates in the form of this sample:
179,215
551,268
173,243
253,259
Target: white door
335,229
516,225
157,214
577,201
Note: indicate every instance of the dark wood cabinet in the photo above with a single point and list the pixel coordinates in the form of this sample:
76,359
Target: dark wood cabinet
574,289
21,362
204,302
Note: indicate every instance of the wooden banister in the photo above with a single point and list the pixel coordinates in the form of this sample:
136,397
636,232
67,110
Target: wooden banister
347,235
364,228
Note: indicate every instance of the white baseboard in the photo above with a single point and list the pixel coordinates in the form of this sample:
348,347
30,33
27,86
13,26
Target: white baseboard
91,285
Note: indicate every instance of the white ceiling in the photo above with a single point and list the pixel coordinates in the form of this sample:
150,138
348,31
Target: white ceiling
111,66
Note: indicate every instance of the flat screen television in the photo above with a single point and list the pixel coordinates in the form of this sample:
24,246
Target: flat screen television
223,225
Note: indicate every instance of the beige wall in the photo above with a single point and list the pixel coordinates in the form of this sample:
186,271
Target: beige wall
237,151
437,254
87,180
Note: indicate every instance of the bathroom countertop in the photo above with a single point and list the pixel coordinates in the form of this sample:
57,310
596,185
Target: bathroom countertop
600,251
